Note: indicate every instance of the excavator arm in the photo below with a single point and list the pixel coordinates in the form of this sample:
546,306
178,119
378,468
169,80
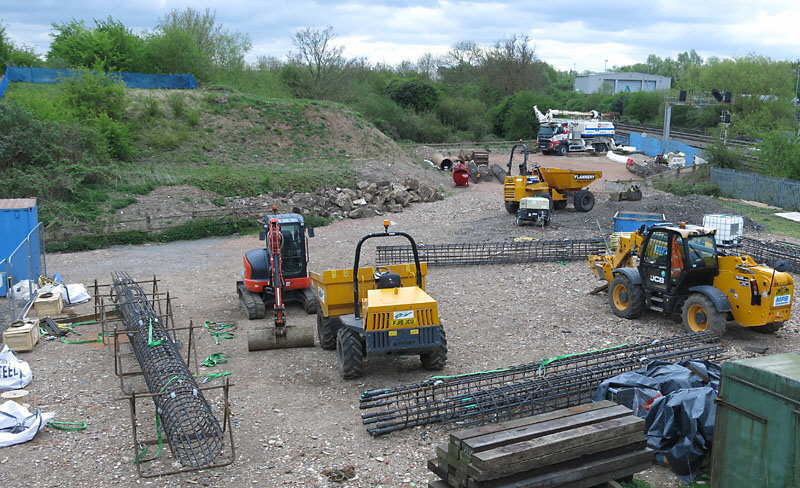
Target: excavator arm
274,245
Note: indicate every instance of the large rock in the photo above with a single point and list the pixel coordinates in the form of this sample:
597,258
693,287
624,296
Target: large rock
427,193
363,185
393,207
344,201
411,184
362,212
403,198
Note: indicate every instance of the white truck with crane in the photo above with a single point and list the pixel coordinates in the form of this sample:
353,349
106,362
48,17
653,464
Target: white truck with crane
564,131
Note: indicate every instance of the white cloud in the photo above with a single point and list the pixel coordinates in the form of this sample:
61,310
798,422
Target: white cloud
622,31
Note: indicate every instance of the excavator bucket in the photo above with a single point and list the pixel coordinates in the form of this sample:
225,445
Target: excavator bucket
264,338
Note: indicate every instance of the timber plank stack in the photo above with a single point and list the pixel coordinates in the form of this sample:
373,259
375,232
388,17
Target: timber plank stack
577,447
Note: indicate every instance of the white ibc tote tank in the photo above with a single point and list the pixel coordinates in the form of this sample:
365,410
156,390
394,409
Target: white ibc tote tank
729,227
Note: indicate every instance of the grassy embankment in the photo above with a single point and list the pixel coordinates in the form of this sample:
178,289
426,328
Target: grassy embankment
225,142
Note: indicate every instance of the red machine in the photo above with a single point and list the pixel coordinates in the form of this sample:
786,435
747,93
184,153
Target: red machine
461,174
275,275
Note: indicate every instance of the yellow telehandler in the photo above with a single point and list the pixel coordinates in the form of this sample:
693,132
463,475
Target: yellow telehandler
678,269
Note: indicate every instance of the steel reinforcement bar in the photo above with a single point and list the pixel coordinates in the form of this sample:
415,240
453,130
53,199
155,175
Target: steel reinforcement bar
462,254
192,431
772,252
521,390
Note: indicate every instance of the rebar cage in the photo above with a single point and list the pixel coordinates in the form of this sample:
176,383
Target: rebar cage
462,254
193,433
526,389
771,252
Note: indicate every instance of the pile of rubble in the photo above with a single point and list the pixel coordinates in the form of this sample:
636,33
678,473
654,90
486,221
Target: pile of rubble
366,200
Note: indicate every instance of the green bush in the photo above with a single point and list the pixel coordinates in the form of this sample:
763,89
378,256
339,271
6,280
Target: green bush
780,150
684,188
193,117
27,142
117,137
643,107
464,114
177,103
92,94
419,95
151,108
722,156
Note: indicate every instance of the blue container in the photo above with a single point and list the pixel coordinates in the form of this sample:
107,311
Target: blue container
18,217
632,221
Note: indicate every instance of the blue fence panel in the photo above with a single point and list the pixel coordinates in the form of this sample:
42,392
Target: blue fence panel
131,80
3,86
170,82
652,146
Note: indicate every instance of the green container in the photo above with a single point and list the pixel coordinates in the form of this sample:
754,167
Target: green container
757,432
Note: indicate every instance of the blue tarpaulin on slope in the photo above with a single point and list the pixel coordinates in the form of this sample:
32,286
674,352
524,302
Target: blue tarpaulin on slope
131,80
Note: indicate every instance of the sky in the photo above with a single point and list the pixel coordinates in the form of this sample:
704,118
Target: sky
577,34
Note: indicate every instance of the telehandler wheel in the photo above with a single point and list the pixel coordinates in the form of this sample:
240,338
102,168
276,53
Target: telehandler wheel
699,315
327,327
626,299
518,221
559,204
584,201
512,207
350,353
435,360
768,328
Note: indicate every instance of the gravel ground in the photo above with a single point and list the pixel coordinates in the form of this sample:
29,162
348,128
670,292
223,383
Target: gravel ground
294,417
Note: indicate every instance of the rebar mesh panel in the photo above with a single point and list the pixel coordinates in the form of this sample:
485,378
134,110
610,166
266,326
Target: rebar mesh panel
193,432
525,389
771,252
462,254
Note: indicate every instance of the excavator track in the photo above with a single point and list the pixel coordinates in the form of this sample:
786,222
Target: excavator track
251,302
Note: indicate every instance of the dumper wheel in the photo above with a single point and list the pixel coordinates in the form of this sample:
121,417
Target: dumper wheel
435,360
584,201
768,328
310,303
559,204
700,315
625,298
327,327
512,207
350,352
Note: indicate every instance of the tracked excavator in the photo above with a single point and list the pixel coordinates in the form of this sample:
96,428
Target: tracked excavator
677,269
275,275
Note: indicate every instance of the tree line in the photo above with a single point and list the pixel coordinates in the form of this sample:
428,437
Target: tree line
472,92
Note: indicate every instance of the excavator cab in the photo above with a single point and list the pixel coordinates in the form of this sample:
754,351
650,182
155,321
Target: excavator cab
255,289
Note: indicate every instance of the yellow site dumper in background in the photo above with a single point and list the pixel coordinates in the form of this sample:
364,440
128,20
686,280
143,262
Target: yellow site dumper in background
382,310
559,185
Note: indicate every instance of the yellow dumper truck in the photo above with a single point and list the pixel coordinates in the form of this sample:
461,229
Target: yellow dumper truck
382,310
559,185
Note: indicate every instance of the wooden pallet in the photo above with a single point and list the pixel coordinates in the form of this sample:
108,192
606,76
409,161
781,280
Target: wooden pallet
577,447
